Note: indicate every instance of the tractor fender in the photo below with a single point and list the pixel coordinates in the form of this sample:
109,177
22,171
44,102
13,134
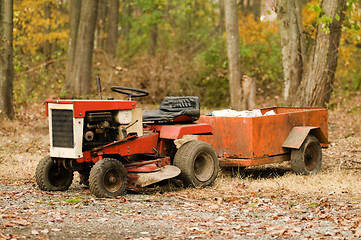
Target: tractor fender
179,130
298,135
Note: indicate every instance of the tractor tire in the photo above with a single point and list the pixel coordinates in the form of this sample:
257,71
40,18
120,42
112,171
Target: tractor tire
308,159
52,177
108,178
198,163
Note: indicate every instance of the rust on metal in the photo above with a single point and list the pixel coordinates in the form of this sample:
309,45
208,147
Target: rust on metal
299,134
232,162
260,137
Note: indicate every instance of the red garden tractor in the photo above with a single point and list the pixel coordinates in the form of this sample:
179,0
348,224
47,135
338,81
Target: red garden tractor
116,146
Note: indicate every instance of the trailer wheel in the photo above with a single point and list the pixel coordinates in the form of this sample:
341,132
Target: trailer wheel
198,162
51,176
308,159
108,178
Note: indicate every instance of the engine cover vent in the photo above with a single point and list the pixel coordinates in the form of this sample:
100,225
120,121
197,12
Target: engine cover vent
99,116
62,128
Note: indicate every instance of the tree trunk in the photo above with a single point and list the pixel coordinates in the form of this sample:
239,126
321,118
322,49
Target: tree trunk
81,74
126,24
256,9
317,83
6,59
74,16
153,38
290,24
100,26
47,15
221,17
233,53
113,27
189,17
249,91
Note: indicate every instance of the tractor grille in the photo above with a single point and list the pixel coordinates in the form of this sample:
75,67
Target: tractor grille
62,126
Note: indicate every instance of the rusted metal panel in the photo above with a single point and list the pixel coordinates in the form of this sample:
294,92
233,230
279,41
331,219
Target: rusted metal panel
296,137
299,134
260,137
231,162
231,136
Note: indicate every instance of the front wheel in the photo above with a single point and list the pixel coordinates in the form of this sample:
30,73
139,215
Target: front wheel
198,163
308,159
108,178
51,176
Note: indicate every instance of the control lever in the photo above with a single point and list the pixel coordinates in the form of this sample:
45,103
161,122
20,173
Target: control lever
99,86
124,129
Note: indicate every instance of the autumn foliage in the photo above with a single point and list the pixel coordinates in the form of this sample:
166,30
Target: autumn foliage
189,58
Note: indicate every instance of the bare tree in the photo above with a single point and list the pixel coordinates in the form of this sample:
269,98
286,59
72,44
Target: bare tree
317,83
256,9
100,25
233,52
125,21
6,59
289,14
113,27
80,70
153,38
309,76
74,16
221,17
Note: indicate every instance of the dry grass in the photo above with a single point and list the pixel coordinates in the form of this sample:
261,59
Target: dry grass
281,183
25,141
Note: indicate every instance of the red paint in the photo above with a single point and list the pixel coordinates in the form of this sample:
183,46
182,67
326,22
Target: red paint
125,147
80,107
132,178
179,130
152,167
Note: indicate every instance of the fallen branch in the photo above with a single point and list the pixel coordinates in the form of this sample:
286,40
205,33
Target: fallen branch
42,65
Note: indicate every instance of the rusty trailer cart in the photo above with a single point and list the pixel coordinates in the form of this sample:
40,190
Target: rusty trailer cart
291,134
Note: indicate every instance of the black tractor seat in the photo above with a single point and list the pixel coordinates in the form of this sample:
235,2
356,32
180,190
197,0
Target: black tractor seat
175,109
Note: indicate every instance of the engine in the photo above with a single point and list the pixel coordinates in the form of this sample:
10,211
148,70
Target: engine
77,126
99,128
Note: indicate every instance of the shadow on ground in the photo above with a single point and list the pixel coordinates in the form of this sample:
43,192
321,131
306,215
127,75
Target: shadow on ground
256,172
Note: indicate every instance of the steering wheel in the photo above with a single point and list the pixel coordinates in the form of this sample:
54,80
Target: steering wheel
131,92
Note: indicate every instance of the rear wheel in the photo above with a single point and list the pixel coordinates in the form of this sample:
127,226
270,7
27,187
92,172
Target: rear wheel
308,159
51,176
108,178
198,162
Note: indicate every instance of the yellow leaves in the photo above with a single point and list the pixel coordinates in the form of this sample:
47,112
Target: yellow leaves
309,19
252,31
37,22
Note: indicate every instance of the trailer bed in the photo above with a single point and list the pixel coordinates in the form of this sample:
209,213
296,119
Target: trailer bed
247,141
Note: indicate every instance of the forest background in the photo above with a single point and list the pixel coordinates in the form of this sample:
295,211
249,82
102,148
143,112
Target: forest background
168,47
171,47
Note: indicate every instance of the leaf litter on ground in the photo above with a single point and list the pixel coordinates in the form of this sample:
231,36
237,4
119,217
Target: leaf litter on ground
258,202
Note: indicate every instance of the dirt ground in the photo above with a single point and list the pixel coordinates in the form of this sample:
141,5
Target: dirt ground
254,203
